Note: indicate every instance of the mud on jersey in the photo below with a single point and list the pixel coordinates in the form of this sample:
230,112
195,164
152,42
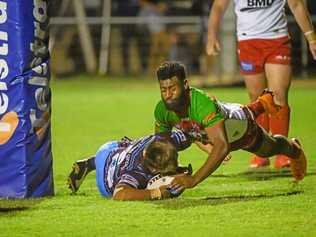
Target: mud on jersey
123,166
260,19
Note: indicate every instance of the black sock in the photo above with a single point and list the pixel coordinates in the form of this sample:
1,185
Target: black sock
285,147
91,163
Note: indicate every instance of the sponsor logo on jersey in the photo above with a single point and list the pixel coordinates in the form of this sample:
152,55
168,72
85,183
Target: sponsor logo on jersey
255,4
209,117
283,58
247,66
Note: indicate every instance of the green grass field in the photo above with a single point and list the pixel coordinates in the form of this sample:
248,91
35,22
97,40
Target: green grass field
232,202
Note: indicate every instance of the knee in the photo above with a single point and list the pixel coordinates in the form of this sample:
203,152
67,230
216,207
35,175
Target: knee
254,94
280,97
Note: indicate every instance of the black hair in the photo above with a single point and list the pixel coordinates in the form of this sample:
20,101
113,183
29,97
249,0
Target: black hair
170,69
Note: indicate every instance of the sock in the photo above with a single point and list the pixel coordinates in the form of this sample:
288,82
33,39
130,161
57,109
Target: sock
285,147
256,107
263,121
91,163
279,123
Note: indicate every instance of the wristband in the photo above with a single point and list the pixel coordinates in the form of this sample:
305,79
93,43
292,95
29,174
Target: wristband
310,36
155,194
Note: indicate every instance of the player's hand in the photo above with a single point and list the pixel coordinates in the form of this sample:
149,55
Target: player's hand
184,170
213,46
165,193
182,181
312,48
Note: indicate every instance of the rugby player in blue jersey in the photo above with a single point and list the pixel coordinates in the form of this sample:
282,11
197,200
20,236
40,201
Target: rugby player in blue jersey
123,168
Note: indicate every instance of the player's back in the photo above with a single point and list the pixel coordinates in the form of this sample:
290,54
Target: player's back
260,19
125,162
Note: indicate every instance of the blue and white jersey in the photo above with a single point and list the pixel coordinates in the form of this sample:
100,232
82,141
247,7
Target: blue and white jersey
123,166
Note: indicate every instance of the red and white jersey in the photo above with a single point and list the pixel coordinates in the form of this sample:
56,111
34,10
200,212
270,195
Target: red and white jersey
260,19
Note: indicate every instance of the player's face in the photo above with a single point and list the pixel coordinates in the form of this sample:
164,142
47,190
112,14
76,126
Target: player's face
173,93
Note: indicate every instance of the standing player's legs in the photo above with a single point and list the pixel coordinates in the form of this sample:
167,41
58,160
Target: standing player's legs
255,85
251,60
278,73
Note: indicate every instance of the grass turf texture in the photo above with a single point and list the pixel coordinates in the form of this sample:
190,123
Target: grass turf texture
232,202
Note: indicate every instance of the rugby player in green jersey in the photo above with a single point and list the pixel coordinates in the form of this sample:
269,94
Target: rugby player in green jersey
218,127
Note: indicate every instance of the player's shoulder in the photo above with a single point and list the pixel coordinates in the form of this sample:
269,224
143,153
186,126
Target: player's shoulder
198,93
160,108
160,104
200,97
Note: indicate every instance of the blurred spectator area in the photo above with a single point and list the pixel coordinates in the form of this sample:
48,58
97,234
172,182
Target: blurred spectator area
135,36
156,30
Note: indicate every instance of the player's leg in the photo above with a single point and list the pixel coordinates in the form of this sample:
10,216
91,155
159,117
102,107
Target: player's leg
101,157
264,104
79,171
81,168
278,73
251,67
277,144
279,78
255,85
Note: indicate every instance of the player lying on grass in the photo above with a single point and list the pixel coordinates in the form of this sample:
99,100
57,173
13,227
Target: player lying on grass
124,168
224,126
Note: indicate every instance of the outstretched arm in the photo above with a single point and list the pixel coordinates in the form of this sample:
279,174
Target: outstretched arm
204,147
220,150
217,137
128,193
300,12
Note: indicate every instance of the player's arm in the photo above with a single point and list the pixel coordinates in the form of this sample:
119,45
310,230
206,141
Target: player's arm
204,147
180,140
302,16
217,137
220,150
128,193
218,9
207,148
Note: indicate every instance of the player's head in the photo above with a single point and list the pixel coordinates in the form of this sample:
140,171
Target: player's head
161,157
174,86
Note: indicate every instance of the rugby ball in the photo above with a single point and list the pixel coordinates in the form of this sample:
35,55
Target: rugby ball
158,181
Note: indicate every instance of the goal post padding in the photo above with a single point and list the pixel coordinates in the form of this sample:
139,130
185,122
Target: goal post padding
25,100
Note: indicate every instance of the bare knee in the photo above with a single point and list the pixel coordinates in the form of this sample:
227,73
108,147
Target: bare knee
254,94
280,97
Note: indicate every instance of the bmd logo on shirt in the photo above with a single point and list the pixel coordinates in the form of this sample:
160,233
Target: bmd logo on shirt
259,3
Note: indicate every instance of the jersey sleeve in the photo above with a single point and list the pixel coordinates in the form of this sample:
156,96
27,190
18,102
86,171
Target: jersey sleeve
161,124
132,179
180,140
207,111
